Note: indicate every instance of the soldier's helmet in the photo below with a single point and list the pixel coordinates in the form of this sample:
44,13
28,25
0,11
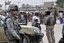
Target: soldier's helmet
12,7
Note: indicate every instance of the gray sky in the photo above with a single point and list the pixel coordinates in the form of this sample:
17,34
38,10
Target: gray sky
33,2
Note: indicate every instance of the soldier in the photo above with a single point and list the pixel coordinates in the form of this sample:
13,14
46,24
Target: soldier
11,29
50,21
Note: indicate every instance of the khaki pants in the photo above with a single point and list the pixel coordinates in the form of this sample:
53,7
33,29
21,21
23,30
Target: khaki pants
50,34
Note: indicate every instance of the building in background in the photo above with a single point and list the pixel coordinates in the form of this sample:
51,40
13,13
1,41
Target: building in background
41,8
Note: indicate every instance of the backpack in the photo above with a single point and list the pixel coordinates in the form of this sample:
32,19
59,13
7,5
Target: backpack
51,20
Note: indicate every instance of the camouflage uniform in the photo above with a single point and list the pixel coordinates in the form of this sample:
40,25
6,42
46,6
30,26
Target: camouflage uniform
12,30
50,29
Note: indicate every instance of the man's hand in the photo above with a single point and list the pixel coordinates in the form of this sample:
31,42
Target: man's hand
17,37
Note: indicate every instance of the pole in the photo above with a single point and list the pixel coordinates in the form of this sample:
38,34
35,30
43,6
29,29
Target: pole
18,3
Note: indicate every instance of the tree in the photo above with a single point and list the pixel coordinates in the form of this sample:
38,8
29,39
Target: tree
60,3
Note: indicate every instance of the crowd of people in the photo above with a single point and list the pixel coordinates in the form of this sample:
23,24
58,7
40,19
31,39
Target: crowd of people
36,18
